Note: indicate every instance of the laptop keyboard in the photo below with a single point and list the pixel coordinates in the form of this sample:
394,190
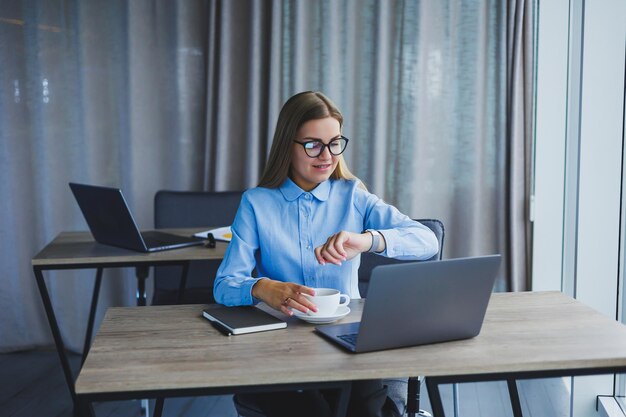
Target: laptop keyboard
152,241
349,338
165,240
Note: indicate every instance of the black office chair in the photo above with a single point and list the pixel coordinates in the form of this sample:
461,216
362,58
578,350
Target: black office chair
246,408
371,260
173,209
368,262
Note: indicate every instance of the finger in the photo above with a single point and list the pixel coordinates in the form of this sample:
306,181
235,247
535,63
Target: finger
305,302
286,310
333,244
285,299
300,307
339,243
318,256
330,254
331,259
303,289
285,305
290,303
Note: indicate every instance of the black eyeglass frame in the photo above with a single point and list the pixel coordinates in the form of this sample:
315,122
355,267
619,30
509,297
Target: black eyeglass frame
324,146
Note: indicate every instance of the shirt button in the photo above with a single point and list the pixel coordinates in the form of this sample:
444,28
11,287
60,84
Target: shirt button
308,247
307,196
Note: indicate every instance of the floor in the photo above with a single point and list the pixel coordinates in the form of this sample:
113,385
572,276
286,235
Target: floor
32,385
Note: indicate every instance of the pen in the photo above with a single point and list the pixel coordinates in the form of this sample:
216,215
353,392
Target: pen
221,328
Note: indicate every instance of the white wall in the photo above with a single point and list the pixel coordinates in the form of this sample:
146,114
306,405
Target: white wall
550,129
578,165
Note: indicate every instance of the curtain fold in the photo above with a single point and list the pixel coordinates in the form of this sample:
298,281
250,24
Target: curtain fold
517,228
238,94
155,94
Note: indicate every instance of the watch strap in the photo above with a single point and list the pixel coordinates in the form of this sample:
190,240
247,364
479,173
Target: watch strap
375,240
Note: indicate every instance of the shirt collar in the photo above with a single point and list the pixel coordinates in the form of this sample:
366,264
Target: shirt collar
291,191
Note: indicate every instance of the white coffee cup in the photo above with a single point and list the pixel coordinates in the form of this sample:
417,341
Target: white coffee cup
327,301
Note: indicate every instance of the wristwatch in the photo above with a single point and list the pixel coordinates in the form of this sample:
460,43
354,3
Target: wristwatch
375,240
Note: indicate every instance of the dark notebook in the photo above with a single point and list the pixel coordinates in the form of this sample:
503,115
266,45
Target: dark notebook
240,320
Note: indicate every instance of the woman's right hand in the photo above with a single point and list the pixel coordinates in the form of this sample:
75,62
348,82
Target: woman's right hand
283,296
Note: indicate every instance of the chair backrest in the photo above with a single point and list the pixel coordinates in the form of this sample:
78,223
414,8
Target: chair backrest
191,209
370,260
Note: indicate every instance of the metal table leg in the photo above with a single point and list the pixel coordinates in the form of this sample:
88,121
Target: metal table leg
56,334
141,272
437,405
514,396
92,314
158,407
435,397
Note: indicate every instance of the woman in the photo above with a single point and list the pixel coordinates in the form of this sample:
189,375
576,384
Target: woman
306,224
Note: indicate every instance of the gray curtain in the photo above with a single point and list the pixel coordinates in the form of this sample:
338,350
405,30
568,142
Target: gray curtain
516,228
109,93
150,95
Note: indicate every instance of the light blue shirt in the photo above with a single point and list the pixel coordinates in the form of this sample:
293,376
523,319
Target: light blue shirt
277,229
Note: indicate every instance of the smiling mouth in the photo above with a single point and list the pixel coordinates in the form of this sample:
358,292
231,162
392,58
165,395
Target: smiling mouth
324,166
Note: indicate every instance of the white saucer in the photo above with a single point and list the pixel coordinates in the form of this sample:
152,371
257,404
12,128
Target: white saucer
339,314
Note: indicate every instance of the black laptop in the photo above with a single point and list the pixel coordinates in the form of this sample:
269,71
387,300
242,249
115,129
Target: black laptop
112,223
417,303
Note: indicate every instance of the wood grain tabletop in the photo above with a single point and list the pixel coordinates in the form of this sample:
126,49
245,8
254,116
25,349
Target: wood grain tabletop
79,248
173,347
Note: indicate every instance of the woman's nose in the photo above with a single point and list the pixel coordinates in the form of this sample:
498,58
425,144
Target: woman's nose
325,153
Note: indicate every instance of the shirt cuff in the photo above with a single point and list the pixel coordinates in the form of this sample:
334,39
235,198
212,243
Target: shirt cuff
392,248
247,291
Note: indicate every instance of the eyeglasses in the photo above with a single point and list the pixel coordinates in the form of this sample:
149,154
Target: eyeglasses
315,147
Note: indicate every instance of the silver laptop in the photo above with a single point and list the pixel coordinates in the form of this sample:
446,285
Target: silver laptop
112,223
417,303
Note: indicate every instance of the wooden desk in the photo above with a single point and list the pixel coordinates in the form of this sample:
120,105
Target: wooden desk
172,351
78,250
73,249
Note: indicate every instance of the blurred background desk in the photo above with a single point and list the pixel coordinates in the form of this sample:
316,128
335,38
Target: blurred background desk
78,250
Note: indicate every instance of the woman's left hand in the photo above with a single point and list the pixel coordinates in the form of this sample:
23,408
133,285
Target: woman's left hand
343,246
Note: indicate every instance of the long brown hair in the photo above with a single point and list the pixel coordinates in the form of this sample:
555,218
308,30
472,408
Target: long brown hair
299,109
